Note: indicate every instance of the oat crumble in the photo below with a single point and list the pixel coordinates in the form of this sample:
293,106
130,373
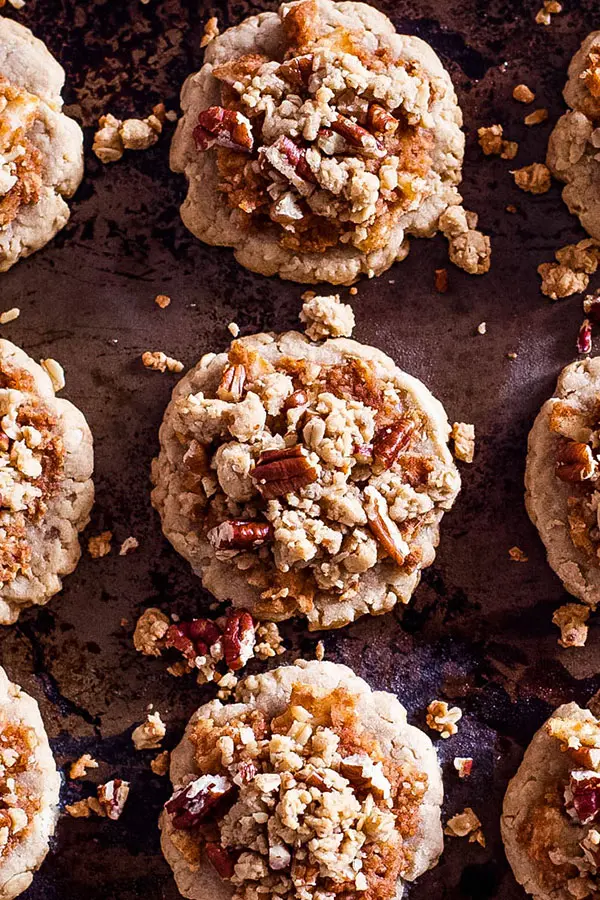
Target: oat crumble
114,136
517,555
468,248
536,117
160,362
570,274
129,545
482,328
493,143
9,315
533,179
100,544
326,317
149,734
80,766
234,329
160,763
463,436
442,718
162,300
466,824
211,31
109,801
571,619
55,373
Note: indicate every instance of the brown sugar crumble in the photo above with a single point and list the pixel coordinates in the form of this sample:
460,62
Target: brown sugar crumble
160,362
571,619
149,734
100,544
211,31
463,436
160,763
549,9
517,555
129,545
492,142
109,801
162,300
442,718
466,824
114,136
523,94
570,274
80,766
536,117
533,179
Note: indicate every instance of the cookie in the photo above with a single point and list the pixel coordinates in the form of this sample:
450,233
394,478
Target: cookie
316,783
315,140
575,141
304,478
41,149
30,786
46,491
551,813
561,479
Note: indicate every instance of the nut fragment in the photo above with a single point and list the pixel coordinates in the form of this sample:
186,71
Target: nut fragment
466,824
112,797
237,534
575,462
441,280
211,31
99,544
162,300
221,859
571,619
55,372
582,796
391,440
80,766
463,765
238,639
191,804
379,119
536,117
384,529
220,127
129,544
9,315
584,337
231,387
150,733
280,472
358,136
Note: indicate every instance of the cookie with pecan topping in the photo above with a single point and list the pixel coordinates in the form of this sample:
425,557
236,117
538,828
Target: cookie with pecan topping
46,490
311,785
29,784
41,149
304,478
562,479
315,140
551,813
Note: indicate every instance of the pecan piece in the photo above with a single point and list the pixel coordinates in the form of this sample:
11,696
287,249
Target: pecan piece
582,796
177,639
584,337
384,530
575,462
288,159
280,472
221,859
358,136
297,70
379,119
238,639
231,387
391,440
191,804
195,458
298,398
222,127
112,797
237,534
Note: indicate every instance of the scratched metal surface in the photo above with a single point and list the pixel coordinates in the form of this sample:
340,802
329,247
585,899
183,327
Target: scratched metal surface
478,631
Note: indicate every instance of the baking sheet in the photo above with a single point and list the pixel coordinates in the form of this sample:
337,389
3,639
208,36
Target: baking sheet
478,631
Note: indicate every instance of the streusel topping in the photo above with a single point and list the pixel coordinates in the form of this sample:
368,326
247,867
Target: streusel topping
331,143
18,803
20,161
303,806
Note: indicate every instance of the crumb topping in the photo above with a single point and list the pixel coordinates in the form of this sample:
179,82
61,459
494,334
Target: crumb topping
442,718
570,274
303,806
113,136
19,803
305,476
533,179
330,145
149,735
326,316
466,824
20,160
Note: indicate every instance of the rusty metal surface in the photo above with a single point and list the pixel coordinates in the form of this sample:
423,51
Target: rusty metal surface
478,631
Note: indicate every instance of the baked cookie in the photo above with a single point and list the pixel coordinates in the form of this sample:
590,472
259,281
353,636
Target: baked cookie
551,814
46,491
311,785
41,150
315,139
562,491
304,478
574,144
30,786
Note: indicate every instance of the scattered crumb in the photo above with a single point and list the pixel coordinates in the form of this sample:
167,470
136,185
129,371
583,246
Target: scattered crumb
227,684
55,372
99,544
114,136
463,436
128,545
536,117
109,802
571,619
468,248
441,280
10,315
326,316
492,142
162,300
441,718
511,208
320,651
160,763
211,31
482,328
523,94
16,4
80,766
582,257
511,355
549,9
269,642
463,765
160,362
353,291
150,630
234,329
465,824
81,809
150,733
561,281
584,337
533,179
517,555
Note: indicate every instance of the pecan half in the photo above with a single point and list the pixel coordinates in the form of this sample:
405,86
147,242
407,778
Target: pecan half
222,127
358,136
191,804
239,638
177,639
575,462
279,472
221,859
383,529
237,534
582,796
379,119
391,440
231,387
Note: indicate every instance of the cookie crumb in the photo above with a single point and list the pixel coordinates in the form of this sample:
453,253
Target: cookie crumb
468,248
353,291
10,315
492,142
463,765
561,281
511,355
109,802
482,328
571,619
523,94
466,824
162,300
113,136
511,208
160,362
55,372
227,684
463,436
149,631
128,545
326,316
269,642
517,555
149,734
211,31
533,179
536,117
441,280
443,719
79,768
234,329
160,763
99,544
320,651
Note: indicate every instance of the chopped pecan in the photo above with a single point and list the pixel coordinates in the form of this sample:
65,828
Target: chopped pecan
379,119
297,70
575,462
202,630
237,534
391,440
582,796
222,127
195,458
280,472
193,638
232,383
246,771
584,337
176,638
358,136
191,804
292,156
238,639
112,797
383,528
298,398
221,859
236,70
